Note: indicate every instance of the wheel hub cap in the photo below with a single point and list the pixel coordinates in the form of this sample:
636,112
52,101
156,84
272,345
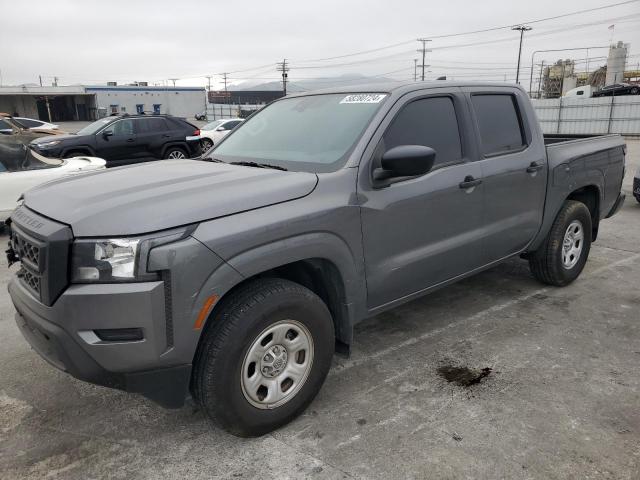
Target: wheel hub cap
274,361
572,244
277,364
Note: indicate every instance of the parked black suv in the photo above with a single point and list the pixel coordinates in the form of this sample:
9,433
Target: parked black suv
125,139
618,89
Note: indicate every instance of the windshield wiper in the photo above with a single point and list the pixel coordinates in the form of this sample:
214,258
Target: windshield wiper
259,165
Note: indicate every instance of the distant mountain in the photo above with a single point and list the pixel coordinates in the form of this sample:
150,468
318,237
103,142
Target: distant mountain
302,85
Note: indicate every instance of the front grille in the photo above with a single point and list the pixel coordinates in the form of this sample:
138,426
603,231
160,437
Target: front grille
42,247
30,280
31,253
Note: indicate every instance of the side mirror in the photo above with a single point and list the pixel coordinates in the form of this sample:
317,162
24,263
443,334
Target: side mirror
405,161
220,129
107,133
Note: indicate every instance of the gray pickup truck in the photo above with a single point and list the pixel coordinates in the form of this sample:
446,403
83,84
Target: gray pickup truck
234,278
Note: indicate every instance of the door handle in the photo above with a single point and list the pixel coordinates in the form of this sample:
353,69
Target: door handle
469,182
130,140
165,135
534,167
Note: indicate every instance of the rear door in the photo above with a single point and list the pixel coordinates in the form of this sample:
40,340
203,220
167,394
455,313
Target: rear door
514,169
151,133
422,231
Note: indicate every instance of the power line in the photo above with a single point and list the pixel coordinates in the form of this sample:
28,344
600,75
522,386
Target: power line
471,32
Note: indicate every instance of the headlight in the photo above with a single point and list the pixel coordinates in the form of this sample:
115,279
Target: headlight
48,144
115,260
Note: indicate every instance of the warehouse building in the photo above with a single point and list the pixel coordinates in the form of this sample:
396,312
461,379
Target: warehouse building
177,101
68,103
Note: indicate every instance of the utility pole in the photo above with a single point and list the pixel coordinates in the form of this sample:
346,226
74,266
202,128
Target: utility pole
522,29
424,51
40,77
282,67
174,81
415,69
224,79
208,77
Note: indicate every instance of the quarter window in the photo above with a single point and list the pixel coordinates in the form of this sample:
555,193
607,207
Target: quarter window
430,122
499,123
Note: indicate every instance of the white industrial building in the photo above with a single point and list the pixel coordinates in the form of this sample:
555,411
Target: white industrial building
68,103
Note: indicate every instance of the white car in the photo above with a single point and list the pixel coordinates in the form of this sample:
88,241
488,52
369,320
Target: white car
213,132
17,178
29,123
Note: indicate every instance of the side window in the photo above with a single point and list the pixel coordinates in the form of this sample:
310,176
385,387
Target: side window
499,123
150,125
29,123
122,128
580,92
4,125
430,122
231,125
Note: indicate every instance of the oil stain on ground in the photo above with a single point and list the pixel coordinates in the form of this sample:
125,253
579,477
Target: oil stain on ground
463,376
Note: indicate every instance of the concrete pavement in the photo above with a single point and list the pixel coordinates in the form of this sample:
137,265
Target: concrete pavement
562,399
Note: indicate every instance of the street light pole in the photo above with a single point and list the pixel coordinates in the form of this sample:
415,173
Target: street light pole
522,29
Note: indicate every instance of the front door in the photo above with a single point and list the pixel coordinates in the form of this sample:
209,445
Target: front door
121,146
514,171
422,231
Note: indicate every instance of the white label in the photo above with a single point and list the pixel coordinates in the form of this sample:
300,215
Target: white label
364,98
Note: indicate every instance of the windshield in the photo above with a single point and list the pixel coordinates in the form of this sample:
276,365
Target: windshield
212,125
95,126
312,133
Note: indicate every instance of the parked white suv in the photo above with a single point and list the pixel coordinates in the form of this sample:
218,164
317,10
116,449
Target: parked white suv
213,132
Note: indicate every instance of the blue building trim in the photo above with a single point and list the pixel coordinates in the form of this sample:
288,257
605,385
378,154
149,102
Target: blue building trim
142,89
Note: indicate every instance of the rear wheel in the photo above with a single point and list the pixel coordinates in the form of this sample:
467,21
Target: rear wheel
175,153
264,356
635,91
563,255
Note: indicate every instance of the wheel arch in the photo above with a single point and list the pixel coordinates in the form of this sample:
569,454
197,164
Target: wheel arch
85,149
182,145
590,195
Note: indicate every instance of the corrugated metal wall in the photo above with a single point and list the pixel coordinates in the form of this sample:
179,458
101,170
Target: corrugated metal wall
571,115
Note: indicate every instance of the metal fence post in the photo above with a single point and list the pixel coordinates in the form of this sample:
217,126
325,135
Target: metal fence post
559,115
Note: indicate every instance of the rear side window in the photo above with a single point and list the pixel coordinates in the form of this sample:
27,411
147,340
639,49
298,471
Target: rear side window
499,123
430,122
150,125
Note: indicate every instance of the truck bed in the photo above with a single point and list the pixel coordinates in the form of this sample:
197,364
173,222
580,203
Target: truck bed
595,160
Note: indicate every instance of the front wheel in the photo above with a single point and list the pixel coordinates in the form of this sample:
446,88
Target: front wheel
563,254
264,356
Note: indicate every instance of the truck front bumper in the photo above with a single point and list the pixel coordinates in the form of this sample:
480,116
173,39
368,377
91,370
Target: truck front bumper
64,335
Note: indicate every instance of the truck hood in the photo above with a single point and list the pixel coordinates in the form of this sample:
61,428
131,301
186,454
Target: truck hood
156,196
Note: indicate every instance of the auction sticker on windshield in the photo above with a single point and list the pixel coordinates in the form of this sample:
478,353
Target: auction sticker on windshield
364,98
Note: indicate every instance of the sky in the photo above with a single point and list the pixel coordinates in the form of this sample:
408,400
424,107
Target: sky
92,42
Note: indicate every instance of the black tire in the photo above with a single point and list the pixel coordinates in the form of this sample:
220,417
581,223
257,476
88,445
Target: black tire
547,263
635,91
239,322
76,153
638,198
206,144
171,151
